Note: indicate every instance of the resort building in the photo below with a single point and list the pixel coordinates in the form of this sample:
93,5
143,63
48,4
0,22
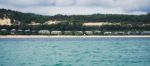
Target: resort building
13,31
56,32
78,32
145,33
34,32
27,32
4,32
133,33
107,33
44,32
119,33
3,29
20,32
89,32
97,32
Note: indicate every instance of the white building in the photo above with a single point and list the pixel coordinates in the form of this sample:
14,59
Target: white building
12,31
27,30
119,33
133,32
20,30
97,32
44,32
78,32
107,33
3,30
89,32
145,33
56,32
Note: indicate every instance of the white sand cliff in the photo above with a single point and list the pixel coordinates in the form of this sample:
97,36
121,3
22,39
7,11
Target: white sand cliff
99,23
5,21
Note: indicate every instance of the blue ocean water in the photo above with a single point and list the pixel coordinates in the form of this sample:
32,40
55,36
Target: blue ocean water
75,52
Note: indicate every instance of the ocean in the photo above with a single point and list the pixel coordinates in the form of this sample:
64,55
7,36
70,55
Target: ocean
75,51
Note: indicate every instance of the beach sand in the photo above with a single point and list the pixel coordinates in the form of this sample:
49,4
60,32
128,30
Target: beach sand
68,36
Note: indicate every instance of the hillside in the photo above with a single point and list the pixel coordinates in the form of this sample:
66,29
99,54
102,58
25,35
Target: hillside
14,22
23,18
17,17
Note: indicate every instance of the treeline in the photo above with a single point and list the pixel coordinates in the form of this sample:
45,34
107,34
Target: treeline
105,18
64,27
26,18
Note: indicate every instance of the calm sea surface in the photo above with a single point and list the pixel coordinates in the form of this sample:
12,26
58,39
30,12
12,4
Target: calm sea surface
75,52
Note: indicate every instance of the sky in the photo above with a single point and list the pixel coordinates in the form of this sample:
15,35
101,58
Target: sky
78,7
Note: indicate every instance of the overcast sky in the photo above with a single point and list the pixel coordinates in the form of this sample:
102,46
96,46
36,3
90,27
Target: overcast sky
75,7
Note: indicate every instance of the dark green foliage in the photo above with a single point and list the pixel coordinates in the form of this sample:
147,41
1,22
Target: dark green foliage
105,18
73,22
26,18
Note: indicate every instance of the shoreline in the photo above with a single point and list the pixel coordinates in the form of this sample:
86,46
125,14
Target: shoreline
72,36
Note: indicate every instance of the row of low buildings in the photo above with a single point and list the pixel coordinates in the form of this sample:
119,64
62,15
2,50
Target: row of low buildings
47,32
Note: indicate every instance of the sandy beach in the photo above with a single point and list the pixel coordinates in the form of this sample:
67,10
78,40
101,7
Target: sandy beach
68,36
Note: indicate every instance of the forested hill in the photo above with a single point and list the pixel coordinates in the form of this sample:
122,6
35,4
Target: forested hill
22,17
26,18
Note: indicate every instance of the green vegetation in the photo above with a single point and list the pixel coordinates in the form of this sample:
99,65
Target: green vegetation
25,18
74,22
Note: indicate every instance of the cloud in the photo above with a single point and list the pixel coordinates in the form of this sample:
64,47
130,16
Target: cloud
52,7
75,10
104,3
27,3
65,2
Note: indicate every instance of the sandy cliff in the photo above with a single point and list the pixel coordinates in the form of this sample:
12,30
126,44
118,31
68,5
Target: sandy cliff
5,21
